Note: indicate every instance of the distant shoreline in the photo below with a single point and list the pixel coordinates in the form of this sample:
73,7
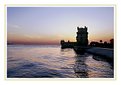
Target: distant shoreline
33,44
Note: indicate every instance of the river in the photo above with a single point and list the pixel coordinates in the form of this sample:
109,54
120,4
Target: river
50,61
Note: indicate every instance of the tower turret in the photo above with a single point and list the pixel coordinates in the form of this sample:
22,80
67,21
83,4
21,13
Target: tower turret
82,36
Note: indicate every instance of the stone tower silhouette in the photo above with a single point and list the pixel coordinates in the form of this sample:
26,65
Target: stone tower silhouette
82,36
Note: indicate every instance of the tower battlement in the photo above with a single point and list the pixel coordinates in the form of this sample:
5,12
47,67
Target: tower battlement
81,29
82,39
82,36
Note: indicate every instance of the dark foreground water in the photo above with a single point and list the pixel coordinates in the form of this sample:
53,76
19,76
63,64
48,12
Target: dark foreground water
50,61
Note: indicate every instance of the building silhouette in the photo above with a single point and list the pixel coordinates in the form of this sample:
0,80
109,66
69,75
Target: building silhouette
81,39
82,36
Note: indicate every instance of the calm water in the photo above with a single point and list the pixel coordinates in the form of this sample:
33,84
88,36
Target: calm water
50,61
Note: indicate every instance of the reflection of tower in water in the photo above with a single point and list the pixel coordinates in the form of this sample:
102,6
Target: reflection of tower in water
80,67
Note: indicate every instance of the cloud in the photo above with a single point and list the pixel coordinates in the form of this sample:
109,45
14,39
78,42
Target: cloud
15,26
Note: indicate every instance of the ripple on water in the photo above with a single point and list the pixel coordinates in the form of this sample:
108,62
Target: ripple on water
51,62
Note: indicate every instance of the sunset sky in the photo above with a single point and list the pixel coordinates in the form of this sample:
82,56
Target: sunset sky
49,25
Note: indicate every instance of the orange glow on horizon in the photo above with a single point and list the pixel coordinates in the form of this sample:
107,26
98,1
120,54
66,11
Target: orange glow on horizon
24,39
97,38
53,39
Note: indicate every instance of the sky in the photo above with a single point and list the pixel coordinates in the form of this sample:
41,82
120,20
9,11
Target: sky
49,25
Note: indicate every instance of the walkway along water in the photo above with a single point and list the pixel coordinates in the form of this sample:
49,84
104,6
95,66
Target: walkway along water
104,53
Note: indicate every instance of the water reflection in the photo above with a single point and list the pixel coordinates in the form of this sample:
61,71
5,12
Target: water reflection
110,61
92,66
39,62
80,67
53,62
